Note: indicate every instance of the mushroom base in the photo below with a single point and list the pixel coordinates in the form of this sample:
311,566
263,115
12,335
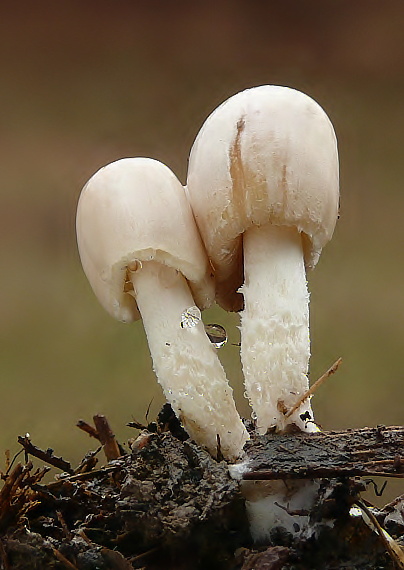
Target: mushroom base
279,507
275,343
185,362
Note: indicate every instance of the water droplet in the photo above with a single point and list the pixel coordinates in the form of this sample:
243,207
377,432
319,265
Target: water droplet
190,317
217,335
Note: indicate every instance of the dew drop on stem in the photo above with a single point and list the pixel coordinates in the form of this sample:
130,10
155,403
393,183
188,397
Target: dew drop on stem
190,317
217,335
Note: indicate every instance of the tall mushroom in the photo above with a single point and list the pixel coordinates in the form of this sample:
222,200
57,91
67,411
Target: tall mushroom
142,254
263,185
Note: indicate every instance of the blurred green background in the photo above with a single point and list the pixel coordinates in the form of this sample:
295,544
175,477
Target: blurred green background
85,83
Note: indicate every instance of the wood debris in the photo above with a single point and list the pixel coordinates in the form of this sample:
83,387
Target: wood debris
166,504
365,452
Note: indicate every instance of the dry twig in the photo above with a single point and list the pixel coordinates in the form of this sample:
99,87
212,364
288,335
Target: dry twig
394,550
46,456
92,432
106,437
314,387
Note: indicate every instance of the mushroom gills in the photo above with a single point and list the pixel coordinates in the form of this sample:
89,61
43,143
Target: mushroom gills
275,341
185,362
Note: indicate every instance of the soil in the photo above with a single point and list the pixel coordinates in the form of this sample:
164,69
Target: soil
169,505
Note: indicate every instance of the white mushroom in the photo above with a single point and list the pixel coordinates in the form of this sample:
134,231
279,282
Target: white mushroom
142,253
263,185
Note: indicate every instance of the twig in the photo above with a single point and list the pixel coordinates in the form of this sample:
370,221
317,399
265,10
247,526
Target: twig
103,433
36,477
83,535
13,496
394,550
46,456
11,479
63,524
88,462
62,559
393,505
140,556
384,462
92,432
136,425
314,387
13,460
106,437
148,410
83,476
316,473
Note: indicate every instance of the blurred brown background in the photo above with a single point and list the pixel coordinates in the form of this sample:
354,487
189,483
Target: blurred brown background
85,83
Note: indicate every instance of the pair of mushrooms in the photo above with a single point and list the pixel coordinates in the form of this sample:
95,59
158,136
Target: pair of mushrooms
262,188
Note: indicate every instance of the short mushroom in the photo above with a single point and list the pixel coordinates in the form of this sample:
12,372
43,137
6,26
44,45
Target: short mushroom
263,186
143,256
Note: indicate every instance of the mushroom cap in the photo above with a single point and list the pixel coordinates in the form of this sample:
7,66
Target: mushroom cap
135,209
266,155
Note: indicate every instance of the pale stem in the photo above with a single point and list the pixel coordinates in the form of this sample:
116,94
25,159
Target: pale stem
279,504
185,362
275,342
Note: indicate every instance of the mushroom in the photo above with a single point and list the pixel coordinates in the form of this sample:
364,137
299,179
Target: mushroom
143,256
263,186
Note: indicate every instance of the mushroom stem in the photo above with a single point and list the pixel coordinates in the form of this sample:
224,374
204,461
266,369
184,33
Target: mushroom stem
273,504
275,342
185,362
